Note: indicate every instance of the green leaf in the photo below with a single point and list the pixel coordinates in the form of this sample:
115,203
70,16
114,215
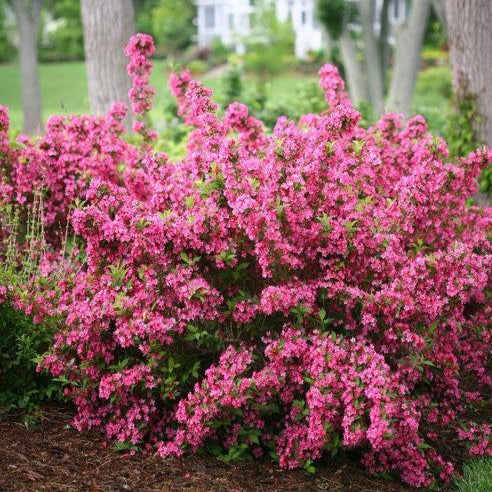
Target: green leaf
190,201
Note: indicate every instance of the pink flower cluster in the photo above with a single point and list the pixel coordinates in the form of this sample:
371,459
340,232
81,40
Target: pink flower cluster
61,164
139,50
6,156
318,288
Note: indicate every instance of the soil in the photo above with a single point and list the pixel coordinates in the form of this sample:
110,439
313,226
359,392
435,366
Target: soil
53,457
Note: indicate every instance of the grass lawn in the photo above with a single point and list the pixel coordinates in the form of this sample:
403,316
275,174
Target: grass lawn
64,90
432,96
477,476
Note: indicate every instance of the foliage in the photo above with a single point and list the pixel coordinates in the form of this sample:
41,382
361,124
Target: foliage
66,42
308,98
477,476
298,292
22,343
6,48
143,15
270,47
219,52
67,94
172,24
233,84
460,131
435,33
197,67
434,57
331,13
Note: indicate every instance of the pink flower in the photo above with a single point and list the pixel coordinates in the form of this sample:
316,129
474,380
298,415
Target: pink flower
320,287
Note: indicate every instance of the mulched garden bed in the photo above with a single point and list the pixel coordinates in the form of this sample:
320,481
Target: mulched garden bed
53,457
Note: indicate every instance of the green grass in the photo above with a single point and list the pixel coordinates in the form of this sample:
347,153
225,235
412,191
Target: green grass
477,476
281,87
64,90
433,88
433,92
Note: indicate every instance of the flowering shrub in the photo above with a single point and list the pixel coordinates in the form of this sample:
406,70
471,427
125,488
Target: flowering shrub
61,163
318,288
22,341
20,345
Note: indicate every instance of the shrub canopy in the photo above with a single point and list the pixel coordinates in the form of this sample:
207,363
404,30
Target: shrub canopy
298,292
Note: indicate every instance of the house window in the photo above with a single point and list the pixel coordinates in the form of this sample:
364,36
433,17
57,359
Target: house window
252,3
210,17
244,23
303,17
396,9
231,21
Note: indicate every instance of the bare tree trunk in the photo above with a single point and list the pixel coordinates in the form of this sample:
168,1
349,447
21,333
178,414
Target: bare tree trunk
470,37
108,25
27,15
355,77
372,55
407,57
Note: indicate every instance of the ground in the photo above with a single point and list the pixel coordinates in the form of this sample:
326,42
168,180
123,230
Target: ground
53,457
64,90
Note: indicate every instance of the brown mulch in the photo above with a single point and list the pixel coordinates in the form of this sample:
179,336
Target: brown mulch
53,457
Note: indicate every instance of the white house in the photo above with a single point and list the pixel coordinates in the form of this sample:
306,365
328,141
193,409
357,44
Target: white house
230,21
397,14
309,35
227,20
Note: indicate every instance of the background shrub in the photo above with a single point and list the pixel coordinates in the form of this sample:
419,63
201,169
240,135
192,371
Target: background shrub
6,48
66,42
22,344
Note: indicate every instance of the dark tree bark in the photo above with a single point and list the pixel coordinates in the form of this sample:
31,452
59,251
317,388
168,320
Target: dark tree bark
470,37
108,25
27,16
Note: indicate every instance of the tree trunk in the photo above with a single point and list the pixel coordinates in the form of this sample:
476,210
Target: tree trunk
355,77
407,57
372,55
470,38
108,25
384,47
27,15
